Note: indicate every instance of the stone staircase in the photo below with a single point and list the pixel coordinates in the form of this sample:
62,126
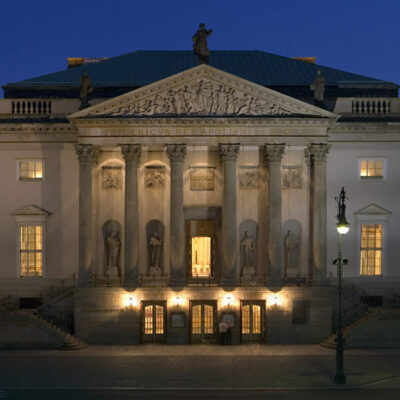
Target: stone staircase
330,341
71,342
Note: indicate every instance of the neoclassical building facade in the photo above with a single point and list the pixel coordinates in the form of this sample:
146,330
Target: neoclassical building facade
188,194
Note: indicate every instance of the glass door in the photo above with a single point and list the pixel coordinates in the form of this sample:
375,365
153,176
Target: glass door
252,321
153,322
203,322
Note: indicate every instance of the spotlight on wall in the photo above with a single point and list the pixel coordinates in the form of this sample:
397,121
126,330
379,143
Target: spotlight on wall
274,300
178,301
228,301
131,301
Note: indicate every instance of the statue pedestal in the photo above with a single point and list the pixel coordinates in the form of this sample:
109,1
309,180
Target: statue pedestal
248,276
155,271
112,272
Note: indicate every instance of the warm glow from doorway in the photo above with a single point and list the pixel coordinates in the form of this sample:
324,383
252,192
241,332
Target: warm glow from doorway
201,256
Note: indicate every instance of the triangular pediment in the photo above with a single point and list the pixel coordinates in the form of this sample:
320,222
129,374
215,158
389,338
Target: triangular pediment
203,91
373,209
31,209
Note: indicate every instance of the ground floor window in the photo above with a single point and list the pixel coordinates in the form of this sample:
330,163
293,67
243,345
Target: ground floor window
371,249
31,250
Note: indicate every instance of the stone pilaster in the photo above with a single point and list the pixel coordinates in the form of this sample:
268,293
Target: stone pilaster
87,155
317,155
229,154
131,154
273,154
176,154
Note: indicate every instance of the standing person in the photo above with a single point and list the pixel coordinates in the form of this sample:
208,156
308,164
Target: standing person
229,333
222,330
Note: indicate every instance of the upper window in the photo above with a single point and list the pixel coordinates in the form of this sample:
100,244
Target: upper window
372,168
30,170
31,250
371,249
201,256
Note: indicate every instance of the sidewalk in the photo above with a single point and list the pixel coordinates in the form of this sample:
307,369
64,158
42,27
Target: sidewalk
202,350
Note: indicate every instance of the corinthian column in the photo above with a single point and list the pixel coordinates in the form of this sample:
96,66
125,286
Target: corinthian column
87,155
318,154
131,154
176,154
273,154
228,154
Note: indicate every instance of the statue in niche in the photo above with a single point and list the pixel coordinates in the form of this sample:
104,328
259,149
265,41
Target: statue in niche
318,86
200,47
248,248
292,250
85,89
113,244
155,249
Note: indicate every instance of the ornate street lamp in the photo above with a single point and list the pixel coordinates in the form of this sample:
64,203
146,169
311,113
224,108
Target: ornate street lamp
342,227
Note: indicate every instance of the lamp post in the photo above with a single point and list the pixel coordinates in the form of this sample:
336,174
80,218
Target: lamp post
342,227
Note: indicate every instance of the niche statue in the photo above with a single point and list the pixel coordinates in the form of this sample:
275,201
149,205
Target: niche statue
292,249
113,244
155,250
248,249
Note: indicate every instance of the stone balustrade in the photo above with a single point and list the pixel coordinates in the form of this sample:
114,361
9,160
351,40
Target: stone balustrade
367,105
37,108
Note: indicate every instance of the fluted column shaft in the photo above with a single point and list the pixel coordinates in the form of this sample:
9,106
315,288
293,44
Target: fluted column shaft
318,153
87,155
228,154
273,154
131,154
176,154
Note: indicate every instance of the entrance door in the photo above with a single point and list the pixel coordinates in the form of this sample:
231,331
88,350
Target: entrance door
153,322
203,322
252,321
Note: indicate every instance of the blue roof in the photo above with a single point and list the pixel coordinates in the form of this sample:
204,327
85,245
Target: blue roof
142,67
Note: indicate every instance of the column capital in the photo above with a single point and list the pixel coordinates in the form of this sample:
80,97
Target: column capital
131,152
273,152
86,152
229,152
176,152
318,151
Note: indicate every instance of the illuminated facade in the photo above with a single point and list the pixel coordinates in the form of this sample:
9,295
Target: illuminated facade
198,193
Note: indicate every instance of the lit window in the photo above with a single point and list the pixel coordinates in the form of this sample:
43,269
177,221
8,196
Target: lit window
371,249
30,170
371,169
201,256
31,250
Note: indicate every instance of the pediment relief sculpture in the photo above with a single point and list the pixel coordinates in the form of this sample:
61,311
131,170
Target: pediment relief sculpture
202,97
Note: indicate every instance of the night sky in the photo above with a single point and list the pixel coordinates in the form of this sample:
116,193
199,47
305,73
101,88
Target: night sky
360,36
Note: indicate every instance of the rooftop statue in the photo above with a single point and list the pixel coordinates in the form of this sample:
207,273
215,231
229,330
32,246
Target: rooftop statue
200,44
318,86
85,89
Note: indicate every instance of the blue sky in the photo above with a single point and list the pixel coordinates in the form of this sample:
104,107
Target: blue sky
360,36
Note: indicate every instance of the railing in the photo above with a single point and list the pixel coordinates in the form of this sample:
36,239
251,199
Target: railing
376,106
9,303
371,106
37,108
31,107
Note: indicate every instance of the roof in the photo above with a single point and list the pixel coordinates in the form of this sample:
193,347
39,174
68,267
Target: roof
143,67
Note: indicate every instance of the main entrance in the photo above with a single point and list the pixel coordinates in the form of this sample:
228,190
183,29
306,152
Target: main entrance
153,322
203,321
252,321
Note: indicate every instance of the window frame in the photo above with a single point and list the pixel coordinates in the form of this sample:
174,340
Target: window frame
372,178
372,220
34,222
367,223
30,180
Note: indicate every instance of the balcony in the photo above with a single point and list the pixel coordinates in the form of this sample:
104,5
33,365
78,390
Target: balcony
367,106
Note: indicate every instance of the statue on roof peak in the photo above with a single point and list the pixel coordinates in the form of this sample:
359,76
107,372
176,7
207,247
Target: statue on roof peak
200,44
85,88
